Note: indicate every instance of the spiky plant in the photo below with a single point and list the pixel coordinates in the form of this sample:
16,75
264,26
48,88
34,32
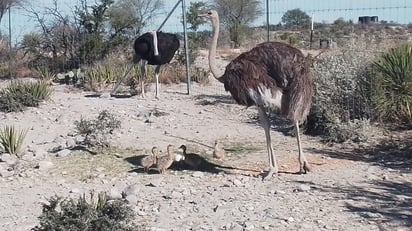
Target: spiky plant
392,85
11,140
28,94
77,215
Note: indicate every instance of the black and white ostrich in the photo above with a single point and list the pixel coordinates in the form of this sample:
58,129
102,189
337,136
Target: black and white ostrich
272,76
153,48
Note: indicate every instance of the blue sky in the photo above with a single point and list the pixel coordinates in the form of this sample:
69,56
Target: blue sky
322,10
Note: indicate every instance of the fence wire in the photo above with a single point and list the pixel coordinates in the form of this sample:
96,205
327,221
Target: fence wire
336,28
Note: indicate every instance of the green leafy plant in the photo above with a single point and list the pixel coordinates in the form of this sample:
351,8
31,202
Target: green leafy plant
105,214
11,140
392,85
99,77
96,131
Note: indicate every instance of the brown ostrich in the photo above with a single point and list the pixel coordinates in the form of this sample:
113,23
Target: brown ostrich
148,161
272,76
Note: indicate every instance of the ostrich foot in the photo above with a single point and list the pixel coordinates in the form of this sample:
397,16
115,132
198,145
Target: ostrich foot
304,168
268,175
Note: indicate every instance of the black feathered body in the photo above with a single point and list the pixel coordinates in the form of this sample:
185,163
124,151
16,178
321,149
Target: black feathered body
273,75
167,46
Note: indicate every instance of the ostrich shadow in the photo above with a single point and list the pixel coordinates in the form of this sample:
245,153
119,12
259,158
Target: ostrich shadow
181,166
205,99
116,95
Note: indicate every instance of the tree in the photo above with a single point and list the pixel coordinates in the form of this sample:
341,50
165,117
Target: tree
5,5
236,15
142,10
193,15
296,18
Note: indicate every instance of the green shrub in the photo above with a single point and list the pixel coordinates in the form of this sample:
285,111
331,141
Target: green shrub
99,77
20,94
96,131
392,85
11,140
81,215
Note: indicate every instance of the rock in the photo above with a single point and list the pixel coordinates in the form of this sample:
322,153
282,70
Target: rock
114,193
198,174
131,190
155,182
70,142
237,182
44,165
60,141
132,199
9,159
290,219
105,96
63,153
40,153
75,190
100,169
303,188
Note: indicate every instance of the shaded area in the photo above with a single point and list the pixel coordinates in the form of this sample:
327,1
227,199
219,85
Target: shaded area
108,95
214,99
394,153
383,202
205,166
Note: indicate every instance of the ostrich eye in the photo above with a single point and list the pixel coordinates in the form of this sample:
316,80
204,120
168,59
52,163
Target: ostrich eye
209,13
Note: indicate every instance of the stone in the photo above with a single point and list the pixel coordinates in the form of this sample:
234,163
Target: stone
303,188
198,174
44,165
63,153
131,190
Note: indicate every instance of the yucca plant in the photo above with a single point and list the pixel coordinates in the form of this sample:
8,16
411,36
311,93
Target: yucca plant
11,140
46,74
105,214
30,94
392,85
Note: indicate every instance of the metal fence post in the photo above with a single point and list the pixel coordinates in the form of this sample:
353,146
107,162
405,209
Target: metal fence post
186,46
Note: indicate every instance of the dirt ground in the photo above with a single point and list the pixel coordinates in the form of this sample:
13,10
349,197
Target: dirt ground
349,188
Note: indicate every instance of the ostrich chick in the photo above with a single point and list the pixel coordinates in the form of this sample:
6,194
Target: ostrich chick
149,161
165,162
191,159
218,152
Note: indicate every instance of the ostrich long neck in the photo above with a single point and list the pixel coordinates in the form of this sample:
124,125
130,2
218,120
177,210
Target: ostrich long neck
212,52
156,50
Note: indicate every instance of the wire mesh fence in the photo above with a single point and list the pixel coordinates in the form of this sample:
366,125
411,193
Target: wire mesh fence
364,27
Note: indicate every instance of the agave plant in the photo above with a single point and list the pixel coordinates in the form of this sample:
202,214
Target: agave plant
392,85
11,140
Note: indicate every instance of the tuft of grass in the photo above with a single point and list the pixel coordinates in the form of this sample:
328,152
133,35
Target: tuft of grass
103,214
96,131
11,140
20,94
392,84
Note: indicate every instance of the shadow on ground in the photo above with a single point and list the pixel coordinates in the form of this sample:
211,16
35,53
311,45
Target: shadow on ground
390,153
213,99
205,166
378,201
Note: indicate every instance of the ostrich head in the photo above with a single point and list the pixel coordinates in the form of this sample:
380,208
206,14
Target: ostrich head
155,151
183,147
212,15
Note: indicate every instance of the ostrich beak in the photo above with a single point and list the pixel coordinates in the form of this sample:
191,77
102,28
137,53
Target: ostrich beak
204,15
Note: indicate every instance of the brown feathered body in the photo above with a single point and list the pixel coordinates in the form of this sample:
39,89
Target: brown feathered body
165,162
149,161
218,152
274,75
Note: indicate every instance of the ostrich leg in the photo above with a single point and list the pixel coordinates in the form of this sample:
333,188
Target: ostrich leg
304,166
143,76
273,166
157,71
